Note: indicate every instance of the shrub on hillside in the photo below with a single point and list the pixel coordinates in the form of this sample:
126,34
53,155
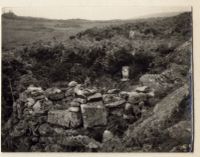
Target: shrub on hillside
12,69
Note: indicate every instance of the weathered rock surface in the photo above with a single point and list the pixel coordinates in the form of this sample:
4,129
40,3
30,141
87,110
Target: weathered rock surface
159,83
19,129
118,111
75,104
44,129
143,89
95,97
171,102
107,135
79,91
23,97
52,91
69,92
95,103
182,148
79,140
113,91
108,98
37,107
93,115
135,97
116,103
53,148
30,102
64,118
128,108
163,113
181,132
32,88
72,84
74,109
80,100
89,92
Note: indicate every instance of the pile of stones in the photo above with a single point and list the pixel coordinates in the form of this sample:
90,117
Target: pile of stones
56,119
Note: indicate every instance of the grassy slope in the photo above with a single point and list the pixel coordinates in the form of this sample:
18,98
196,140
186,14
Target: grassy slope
23,31
18,31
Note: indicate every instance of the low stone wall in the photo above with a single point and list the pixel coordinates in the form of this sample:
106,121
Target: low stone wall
78,118
53,113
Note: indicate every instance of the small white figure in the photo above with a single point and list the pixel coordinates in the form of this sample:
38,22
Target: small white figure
125,73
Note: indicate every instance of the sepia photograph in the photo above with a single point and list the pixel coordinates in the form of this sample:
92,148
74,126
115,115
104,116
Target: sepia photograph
97,79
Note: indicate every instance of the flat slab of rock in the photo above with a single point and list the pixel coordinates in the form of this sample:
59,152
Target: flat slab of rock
108,98
35,90
95,97
93,115
89,92
80,100
116,103
143,89
74,109
64,118
72,84
113,91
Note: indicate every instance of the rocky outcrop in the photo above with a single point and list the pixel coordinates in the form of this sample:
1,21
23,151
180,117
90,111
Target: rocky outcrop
171,103
181,132
151,128
158,82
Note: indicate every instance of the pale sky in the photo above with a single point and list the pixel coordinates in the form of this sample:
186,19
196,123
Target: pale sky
94,12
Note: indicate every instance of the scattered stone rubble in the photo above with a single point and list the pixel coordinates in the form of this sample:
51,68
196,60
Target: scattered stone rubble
58,119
